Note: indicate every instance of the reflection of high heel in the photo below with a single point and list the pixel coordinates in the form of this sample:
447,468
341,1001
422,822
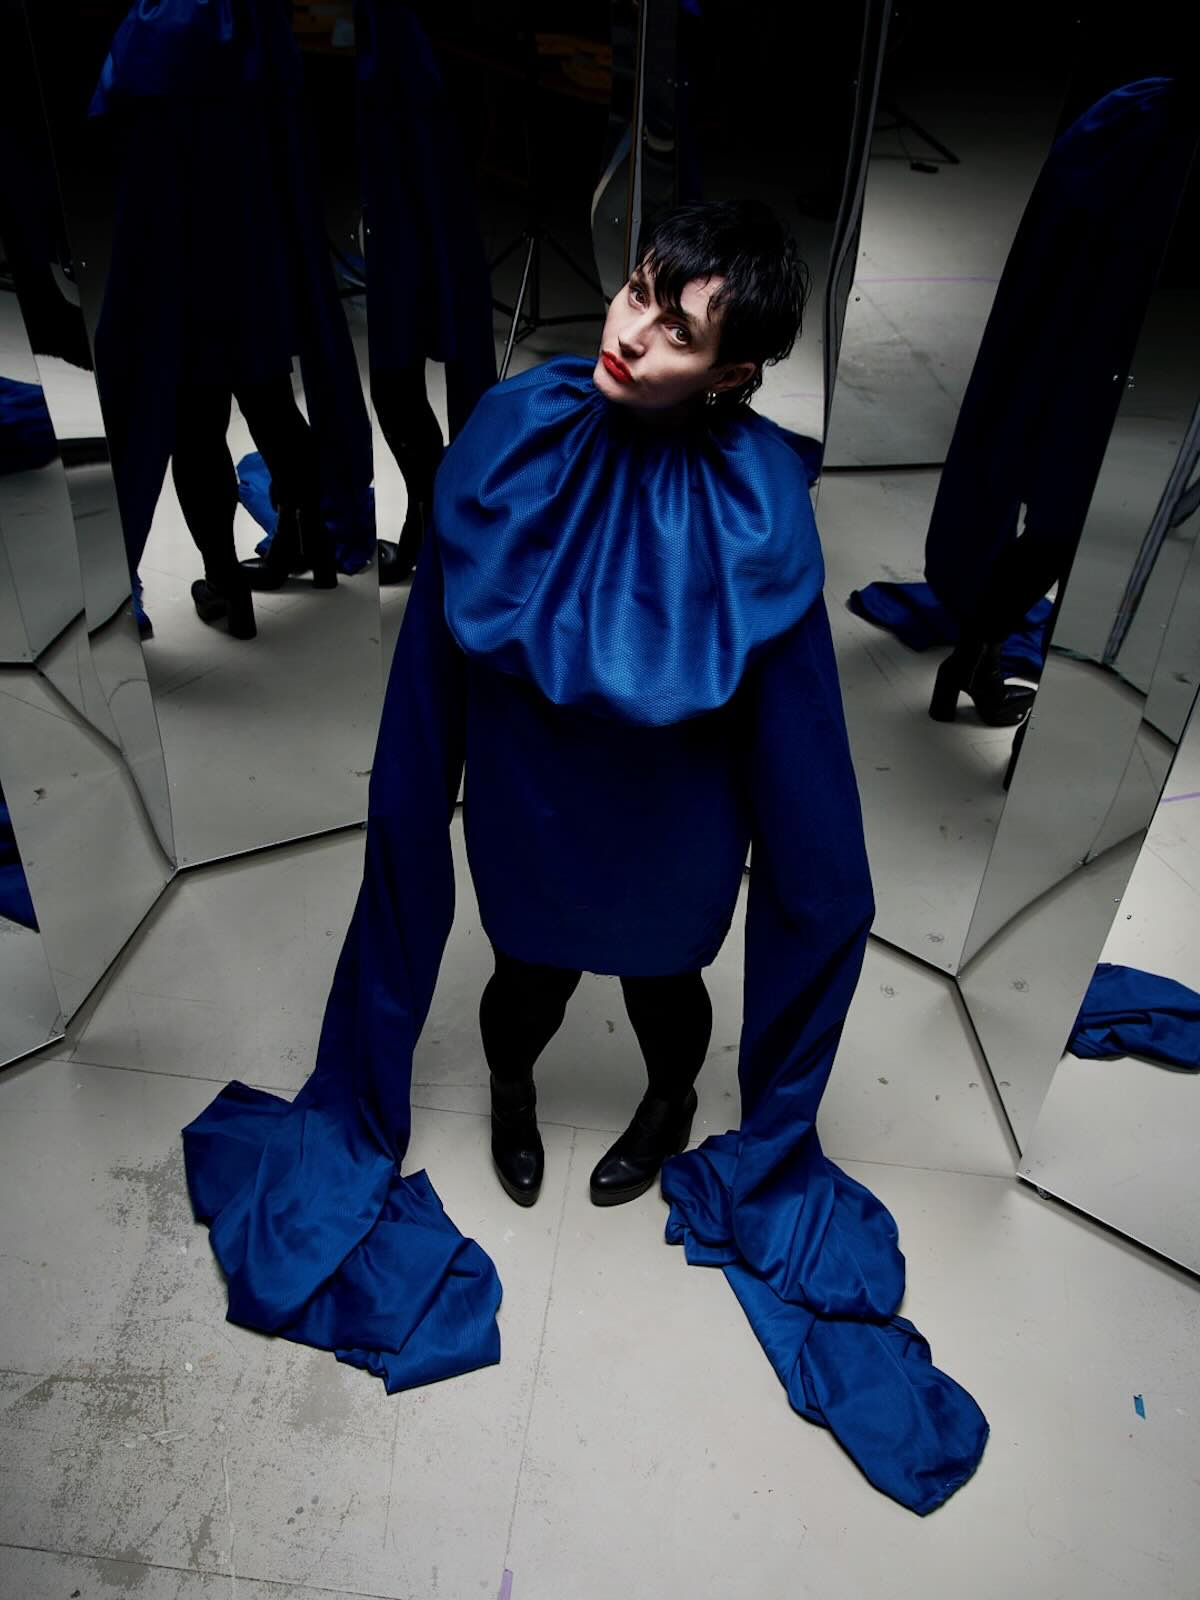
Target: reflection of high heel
229,599
397,558
975,670
301,541
418,463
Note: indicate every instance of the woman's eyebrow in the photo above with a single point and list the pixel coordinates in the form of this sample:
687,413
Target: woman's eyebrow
643,282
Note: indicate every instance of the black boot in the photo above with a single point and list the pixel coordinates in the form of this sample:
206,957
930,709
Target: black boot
301,541
974,669
226,596
418,461
517,1152
660,1128
397,558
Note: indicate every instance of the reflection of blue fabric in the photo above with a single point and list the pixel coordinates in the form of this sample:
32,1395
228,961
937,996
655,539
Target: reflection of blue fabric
26,432
1038,410
429,289
1127,1012
220,270
254,492
575,556
919,619
15,901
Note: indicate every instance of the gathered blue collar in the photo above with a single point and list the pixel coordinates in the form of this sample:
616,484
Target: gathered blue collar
626,570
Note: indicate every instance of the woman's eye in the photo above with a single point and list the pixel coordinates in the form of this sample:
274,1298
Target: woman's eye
679,335
636,295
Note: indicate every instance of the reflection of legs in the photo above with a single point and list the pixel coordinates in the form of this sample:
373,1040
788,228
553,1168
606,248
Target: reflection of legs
672,1018
1025,571
206,484
521,1010
204,475
285,440
414,437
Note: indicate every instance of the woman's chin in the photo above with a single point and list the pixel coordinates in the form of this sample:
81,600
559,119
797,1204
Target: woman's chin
611,388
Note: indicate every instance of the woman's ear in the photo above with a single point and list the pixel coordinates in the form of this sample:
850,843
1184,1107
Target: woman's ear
732,376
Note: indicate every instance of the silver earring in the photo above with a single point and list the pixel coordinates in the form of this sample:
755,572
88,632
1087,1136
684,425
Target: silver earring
710,399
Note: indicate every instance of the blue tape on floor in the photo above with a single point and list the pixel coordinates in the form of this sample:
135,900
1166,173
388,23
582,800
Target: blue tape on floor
1139,1405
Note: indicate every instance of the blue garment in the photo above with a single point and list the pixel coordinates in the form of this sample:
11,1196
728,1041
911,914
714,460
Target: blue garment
620,631
429,287
1127,1012
220,270
16,903
1051,368
919,619
27,437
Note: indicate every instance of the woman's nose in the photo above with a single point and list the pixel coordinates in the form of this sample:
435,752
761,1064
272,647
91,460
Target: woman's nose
632,335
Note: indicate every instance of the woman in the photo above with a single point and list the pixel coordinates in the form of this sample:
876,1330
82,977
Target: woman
617,626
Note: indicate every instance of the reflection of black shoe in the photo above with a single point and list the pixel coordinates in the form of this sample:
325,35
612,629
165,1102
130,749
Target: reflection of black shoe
392,568
517,1152
231,601
397,560
301,541
975,670
660,1128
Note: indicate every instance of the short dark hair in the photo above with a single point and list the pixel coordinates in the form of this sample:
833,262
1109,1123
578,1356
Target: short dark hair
766,283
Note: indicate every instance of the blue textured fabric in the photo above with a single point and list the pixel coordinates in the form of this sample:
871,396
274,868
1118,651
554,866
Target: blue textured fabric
1127,1012
16,903
26,433
919,619
627,571
685,561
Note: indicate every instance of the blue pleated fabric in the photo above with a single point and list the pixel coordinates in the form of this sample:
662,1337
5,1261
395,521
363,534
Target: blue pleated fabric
621,634
626,571
1128,1012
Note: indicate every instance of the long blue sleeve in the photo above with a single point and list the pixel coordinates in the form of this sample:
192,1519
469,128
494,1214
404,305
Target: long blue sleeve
811,1254
319,1236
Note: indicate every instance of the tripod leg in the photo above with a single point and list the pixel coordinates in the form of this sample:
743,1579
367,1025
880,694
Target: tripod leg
517,309
579,271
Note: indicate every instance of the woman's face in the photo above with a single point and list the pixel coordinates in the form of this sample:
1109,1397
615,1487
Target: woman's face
657,361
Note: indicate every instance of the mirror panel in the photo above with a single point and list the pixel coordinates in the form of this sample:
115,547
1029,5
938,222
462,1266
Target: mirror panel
1091,768
80,861
197,231
1118,1138
974,553
965,117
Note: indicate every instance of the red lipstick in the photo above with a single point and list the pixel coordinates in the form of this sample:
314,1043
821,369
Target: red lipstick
616,367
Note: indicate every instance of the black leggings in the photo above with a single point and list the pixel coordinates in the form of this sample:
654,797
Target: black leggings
205,477
523,1006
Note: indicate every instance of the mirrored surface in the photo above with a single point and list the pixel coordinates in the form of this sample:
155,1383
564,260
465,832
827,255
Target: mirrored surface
1090,773
197,232
81,861
1069,184
1118,1137
966,114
